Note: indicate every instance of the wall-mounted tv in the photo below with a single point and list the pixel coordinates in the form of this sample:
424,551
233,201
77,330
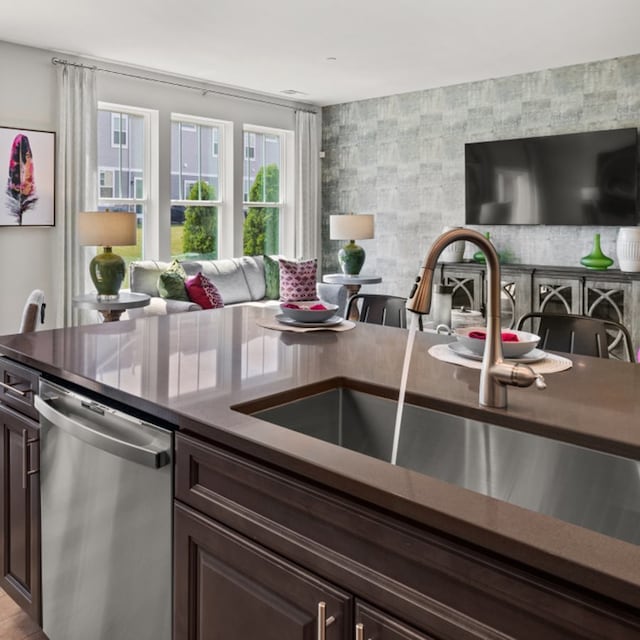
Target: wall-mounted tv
573,179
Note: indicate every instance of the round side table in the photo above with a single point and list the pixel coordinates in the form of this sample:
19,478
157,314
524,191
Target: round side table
353,284
111,310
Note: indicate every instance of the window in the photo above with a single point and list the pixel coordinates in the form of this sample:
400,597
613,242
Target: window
123,159
262,186
106,184
196,188
249,146
214,142
119,126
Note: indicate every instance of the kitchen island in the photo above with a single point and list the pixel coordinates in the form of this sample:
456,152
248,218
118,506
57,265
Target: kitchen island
437,559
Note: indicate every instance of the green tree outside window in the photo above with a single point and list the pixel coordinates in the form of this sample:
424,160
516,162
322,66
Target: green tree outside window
201,223
261,224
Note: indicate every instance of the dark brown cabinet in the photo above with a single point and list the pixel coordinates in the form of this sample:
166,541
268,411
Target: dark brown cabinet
229,587
20,495
258,547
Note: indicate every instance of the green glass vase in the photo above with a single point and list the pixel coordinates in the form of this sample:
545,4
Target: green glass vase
596,259
478,256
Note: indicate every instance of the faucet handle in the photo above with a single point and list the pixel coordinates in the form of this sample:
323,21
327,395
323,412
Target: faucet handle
517,375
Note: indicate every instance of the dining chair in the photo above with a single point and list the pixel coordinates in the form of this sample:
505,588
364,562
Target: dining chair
33,310
582,335
377,308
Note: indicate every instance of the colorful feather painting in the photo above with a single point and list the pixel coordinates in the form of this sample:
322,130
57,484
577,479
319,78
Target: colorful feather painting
29,192
21,189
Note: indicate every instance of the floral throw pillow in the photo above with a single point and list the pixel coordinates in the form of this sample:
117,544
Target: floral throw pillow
176,267
298,280
203,292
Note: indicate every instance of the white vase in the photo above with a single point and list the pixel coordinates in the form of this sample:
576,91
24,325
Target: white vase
453,252
628,248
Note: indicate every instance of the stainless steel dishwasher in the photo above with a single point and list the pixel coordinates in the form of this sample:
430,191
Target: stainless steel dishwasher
106,498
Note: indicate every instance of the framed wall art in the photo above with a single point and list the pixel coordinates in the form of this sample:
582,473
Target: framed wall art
27,178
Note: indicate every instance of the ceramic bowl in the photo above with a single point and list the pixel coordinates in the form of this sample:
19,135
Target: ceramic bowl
302,312
526,341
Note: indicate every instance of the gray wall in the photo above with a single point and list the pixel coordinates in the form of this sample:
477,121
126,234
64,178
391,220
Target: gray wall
401,157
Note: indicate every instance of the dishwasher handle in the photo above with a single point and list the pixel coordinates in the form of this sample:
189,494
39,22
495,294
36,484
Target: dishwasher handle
155,452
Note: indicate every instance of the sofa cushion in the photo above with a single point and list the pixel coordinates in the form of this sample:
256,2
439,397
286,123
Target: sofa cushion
171,285
143,276
177,268
253,269
271,278
203,292
298,279
226,274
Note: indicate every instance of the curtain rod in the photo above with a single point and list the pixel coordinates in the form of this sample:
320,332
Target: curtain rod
202,90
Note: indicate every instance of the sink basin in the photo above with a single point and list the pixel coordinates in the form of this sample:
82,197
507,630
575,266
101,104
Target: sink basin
592,489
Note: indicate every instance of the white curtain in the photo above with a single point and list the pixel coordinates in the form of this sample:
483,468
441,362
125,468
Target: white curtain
307,216
77,178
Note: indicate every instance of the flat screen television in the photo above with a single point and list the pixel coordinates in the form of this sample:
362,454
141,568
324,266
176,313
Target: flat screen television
573,179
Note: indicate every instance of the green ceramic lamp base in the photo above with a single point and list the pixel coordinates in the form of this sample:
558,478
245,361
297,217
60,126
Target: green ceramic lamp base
107,273
351,258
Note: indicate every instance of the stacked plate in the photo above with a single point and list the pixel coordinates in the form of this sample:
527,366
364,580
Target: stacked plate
309,314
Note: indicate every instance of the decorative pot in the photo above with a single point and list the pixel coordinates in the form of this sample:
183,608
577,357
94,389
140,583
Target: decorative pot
453,252
628,248
596,259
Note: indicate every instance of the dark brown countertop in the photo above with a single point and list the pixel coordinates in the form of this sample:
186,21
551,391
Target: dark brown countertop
190,369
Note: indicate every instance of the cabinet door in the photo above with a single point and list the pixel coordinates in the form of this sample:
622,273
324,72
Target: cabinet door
467,287
228,587
557,295
20,510
373,624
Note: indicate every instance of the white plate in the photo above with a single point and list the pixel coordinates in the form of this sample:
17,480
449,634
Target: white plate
535,355
331,322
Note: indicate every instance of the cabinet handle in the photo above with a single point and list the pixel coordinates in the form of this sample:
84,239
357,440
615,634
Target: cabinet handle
26,471
360,631
323,621
10,387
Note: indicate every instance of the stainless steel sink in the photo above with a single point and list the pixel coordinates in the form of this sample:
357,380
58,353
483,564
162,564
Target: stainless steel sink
595,490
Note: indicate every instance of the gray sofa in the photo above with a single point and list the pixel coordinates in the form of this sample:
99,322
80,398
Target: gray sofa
239,280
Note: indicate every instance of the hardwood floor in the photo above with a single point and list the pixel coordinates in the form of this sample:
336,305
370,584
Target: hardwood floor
15,624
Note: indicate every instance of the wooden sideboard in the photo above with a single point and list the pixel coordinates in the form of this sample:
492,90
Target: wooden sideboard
610,294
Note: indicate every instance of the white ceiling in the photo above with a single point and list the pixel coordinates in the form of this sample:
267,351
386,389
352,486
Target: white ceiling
380,48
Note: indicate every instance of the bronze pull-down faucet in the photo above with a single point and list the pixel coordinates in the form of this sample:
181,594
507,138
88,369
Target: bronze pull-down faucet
495,374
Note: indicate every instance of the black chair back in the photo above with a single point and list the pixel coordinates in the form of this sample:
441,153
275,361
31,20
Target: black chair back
582,335
379,309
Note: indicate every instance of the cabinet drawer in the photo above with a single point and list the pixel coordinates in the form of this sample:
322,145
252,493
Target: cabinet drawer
18,386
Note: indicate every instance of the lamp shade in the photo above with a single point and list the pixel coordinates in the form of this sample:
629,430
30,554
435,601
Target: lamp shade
351,226
107,228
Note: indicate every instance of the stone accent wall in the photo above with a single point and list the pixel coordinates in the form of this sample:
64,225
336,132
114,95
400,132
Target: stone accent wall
401,157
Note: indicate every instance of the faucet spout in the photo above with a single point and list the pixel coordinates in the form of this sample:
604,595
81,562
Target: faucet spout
495,373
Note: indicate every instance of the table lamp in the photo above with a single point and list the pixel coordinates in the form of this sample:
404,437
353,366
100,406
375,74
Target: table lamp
107,229
351,227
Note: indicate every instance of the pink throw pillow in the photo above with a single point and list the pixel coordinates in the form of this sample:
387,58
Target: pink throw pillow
203,292
298,280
